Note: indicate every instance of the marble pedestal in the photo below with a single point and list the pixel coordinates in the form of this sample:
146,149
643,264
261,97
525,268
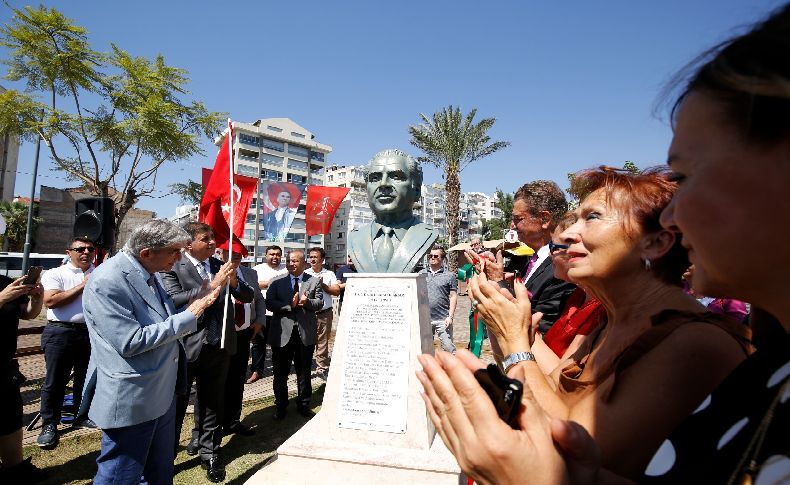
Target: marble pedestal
373,425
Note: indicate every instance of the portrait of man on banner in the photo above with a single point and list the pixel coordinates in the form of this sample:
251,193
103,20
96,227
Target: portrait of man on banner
280,203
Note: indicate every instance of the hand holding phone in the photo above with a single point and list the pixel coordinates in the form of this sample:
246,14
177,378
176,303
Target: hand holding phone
31,278
504,392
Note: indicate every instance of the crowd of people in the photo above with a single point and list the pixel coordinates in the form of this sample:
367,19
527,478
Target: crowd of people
148,328
649,328
665,384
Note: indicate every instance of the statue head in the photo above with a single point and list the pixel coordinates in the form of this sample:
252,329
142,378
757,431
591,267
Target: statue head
393,182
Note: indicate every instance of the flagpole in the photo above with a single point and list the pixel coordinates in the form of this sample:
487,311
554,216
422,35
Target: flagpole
230,230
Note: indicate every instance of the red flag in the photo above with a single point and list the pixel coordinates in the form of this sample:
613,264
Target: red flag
322,204
215,204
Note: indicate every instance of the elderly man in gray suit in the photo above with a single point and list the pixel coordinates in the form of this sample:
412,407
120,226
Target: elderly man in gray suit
293,300
134,331
395,241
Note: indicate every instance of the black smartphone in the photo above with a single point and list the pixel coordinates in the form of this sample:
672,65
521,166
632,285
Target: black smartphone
32,275
504,392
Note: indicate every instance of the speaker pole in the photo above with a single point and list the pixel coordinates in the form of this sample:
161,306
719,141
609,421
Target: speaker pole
29,229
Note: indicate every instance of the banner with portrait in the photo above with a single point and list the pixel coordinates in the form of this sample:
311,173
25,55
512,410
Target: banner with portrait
280,201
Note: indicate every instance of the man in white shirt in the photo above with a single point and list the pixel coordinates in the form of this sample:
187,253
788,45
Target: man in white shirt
65,339
324,316
269,271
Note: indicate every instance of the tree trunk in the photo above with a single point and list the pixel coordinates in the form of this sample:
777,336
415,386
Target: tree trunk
452,190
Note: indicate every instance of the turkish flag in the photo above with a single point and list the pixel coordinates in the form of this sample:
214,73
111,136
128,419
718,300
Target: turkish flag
215,204
322,204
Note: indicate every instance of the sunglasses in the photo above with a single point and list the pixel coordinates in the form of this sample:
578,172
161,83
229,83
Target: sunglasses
83,249
434,256
554,247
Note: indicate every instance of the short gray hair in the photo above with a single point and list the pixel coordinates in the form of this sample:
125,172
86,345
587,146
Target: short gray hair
156,234
415,169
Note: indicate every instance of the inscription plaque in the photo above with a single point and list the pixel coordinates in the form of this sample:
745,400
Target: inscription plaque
375,373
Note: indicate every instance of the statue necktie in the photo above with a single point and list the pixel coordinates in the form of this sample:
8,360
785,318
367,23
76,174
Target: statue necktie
385,249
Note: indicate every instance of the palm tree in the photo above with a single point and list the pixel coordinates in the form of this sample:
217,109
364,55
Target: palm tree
15,215
451,141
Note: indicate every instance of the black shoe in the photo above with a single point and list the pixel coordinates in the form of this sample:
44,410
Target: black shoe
279,414
48,438
193,447
86,423
215,471
24,472
306,412
238,428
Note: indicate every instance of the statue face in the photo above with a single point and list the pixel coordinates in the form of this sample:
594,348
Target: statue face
390,186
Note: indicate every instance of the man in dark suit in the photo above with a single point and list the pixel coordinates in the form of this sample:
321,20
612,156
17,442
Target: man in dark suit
208,350
293,300
537,208
249,319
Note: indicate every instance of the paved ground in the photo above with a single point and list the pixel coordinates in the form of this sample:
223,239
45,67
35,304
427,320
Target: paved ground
33,368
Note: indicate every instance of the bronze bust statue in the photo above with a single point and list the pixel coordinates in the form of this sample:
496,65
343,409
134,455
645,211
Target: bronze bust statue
395,241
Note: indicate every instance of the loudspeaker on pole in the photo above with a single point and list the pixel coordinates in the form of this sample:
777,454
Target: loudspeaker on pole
95,220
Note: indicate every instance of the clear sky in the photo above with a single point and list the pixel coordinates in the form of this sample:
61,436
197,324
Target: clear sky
572,84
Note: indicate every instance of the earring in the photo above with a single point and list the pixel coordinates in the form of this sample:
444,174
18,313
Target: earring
647,264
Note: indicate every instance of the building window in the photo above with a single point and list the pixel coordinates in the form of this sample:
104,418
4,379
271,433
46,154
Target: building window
318,156
297,135
269,144
297,165
340,235
297,179
249,139
331,177
272,160
342,175
297,150
246,170
274,128
249,234
250,220
341,247
248,155
271,175
342,185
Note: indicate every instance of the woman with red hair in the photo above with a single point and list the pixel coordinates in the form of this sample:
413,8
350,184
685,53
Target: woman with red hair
634,379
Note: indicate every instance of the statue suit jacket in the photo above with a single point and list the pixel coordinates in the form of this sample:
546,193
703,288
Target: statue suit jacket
278,301
183,283
134,344
548,293
417,241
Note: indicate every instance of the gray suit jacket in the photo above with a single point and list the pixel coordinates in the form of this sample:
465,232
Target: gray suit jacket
134,344
183,283
417,241
278,301
258,308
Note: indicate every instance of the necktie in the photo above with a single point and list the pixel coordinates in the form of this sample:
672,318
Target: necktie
385,249
530,265
238,308
203,270
152,284
296,285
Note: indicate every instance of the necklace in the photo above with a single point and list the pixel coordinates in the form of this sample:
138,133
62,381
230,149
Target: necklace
748,467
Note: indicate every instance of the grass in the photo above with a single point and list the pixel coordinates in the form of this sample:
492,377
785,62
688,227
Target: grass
74,460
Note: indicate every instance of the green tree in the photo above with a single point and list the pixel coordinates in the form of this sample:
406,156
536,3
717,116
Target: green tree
190,192
15,215
451,141
496,228
628,166
110,121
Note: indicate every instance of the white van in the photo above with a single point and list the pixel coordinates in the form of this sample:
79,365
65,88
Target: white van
11,263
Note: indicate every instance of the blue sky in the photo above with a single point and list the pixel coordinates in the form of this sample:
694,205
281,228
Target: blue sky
572,84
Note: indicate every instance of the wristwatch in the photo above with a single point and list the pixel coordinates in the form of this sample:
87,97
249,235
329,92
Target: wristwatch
512,359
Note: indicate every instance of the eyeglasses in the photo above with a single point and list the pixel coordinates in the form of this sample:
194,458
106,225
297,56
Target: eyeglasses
83,249
554,247
435,256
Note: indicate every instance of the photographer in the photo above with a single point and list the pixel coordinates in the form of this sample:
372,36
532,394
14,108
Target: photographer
16,301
